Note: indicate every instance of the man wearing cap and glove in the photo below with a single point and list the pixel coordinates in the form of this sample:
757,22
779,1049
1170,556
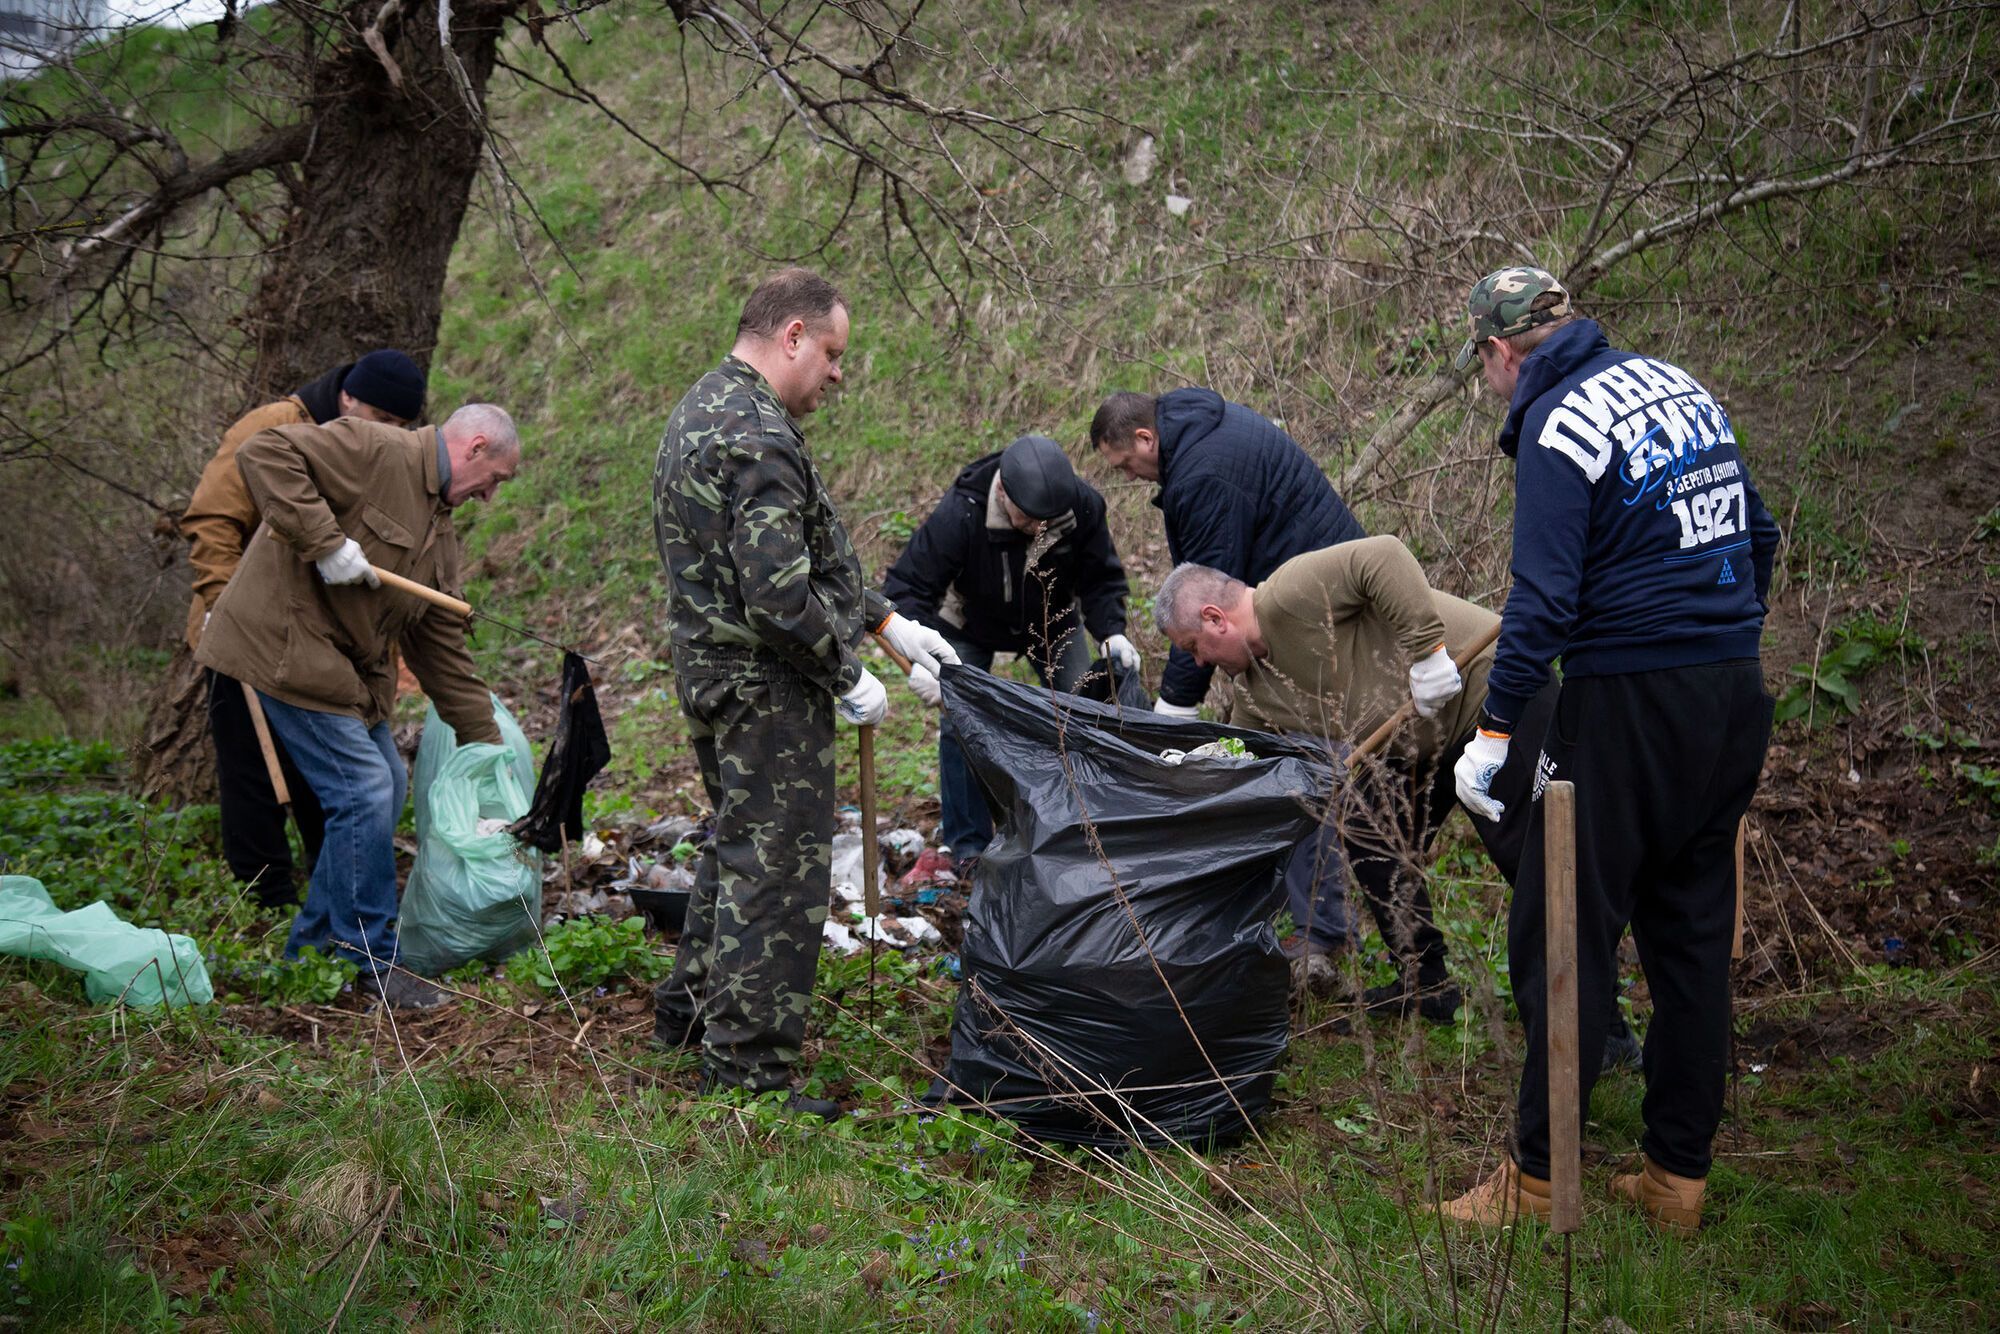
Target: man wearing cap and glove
1238,495
383,386
1016,558
306,622
1642,559
766,607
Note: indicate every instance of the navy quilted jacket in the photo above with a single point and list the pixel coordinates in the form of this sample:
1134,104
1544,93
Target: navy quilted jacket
1238,495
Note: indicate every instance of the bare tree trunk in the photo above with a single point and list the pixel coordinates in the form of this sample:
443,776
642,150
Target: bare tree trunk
361,262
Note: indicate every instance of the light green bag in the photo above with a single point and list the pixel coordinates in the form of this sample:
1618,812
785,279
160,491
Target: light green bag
471,895
119,961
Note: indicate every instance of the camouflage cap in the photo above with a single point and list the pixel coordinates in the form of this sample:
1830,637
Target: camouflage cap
1504,303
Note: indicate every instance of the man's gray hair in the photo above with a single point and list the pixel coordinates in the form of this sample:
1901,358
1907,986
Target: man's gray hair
487,420
1177,606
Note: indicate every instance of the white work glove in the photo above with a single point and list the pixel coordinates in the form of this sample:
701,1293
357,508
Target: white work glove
923,646
1119,649
924,681
1160,706
866,704
1435,682
347,564
1474,772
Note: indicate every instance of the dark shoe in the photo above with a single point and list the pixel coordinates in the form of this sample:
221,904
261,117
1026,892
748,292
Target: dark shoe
400,990
965,868
674,1033
1621,1051
1437,1003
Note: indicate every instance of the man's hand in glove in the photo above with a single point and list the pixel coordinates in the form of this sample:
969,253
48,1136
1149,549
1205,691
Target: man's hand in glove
866,704
924,681
1435,682
347,564
923,646
1119,649
1176,710
1474,772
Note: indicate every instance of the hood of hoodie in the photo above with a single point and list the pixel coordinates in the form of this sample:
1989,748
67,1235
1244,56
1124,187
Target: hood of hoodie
322,396
1184,414
1547,366
976,477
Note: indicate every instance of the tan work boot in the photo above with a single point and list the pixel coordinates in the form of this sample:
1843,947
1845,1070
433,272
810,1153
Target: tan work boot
1673,1203
1507,1195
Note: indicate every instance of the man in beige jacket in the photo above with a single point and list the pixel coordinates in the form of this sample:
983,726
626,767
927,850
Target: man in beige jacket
1330,645
384,386
306,623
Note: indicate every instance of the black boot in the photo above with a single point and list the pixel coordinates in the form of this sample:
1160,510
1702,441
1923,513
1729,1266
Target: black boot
1435,996
400,990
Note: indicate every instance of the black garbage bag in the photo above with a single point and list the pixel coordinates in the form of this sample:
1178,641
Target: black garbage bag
1108,683
1063,1023
578,753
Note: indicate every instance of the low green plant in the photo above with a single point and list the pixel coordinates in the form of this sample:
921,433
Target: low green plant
1830,685
311,979
589,952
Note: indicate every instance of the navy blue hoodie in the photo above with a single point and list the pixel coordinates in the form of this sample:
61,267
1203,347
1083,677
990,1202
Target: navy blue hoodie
1240,496
1639,541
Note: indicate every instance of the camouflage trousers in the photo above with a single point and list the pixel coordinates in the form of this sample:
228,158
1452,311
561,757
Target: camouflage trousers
743,976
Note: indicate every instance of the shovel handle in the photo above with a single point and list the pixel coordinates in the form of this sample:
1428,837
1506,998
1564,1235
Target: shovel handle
416,590
871,852
262,726
1461,660
901,662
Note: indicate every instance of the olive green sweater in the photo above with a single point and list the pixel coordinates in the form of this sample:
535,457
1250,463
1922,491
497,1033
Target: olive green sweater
1342,628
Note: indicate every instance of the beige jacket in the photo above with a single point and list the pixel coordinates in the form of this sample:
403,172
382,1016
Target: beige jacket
282,629
221,516
1344,626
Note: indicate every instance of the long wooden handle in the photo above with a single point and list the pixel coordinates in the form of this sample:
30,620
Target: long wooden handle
901,662
264,743
1461,660
416,590
1565,1070
871,851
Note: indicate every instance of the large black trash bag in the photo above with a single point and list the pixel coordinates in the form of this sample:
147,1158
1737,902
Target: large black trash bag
1108,683
1060,1000
580,750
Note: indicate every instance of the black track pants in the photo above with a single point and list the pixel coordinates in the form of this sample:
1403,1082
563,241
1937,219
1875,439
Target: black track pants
253,823
1665,764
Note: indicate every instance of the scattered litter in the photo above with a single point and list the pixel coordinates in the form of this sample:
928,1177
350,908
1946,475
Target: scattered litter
1139,162
1227,748
119,961
592,846
933,866
588,903
1178,205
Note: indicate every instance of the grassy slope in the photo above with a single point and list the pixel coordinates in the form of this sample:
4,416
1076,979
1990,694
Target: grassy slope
163,1169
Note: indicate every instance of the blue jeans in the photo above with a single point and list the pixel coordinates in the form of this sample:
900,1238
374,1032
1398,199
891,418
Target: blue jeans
965,825
1316,888
359,778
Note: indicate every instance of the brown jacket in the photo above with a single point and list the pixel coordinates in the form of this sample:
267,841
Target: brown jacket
1344,626
221,517
282,629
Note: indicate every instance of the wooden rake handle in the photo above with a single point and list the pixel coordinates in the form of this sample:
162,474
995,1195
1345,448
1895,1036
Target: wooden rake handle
1461,660
420,591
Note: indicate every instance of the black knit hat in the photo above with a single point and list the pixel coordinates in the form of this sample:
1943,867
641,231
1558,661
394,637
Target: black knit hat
1038,477
388,380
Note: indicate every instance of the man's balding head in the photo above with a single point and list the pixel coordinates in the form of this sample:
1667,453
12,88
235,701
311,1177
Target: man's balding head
485,450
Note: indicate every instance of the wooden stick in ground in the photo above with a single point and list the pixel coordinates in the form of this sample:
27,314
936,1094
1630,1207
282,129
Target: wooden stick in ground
1559,915
1736,942
277,771
390,579
381,1221
1462,659
871,859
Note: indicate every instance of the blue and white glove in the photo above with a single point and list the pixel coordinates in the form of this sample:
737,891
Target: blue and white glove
923,646
1119,649
1160,706
347,564
1435,682
1474,772
866,704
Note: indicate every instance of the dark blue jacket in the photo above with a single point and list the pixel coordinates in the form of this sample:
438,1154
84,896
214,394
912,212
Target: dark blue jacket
1003,606
1639,541
1240,496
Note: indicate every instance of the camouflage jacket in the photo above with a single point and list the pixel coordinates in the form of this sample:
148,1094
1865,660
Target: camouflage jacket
755,556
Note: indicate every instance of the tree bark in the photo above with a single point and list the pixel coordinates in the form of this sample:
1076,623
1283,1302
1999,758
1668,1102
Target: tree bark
377,204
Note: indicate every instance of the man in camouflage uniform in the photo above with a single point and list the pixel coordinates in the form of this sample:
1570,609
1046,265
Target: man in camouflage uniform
766,607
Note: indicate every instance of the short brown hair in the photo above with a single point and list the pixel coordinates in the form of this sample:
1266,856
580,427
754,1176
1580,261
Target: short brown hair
1121,414
787,295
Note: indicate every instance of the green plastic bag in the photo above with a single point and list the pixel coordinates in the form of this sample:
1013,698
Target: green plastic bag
470,895
139,965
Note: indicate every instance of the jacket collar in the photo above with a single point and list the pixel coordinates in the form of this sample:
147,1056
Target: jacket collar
769,409
437,475
1559,357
